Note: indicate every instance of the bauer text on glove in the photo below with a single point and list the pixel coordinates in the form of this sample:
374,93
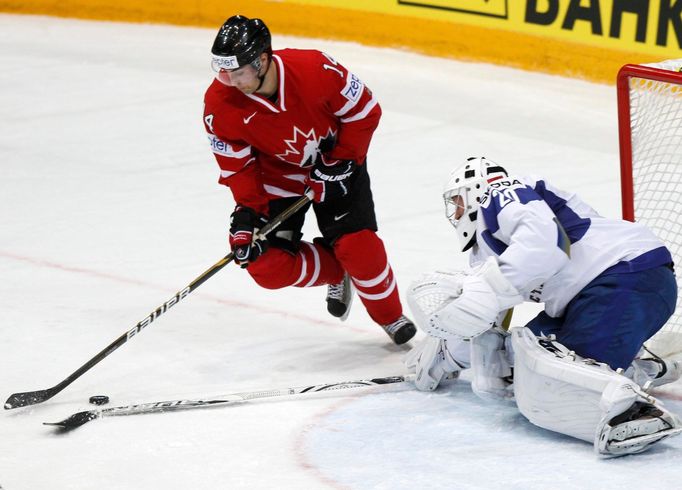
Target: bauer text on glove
330,180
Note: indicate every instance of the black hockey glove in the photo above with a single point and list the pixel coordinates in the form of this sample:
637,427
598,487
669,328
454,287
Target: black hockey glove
244,225
330,180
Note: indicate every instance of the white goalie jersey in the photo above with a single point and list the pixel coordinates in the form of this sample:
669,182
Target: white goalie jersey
550,244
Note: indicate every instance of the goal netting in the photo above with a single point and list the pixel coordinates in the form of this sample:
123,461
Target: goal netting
650,129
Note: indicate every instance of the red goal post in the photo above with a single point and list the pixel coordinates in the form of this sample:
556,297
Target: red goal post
650,136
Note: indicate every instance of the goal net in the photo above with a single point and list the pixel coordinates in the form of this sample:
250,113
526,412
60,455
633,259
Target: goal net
650,129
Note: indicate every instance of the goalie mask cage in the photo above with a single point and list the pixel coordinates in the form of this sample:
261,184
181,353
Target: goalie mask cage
650,132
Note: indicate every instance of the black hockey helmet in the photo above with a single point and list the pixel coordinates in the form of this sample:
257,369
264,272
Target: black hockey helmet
245,39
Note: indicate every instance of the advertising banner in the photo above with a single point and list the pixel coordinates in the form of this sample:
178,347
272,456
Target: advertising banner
645,26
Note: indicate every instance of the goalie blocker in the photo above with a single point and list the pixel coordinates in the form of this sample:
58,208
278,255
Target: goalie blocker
560,391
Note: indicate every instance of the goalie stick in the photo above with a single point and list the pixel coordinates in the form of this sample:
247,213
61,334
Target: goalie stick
81,418
33,397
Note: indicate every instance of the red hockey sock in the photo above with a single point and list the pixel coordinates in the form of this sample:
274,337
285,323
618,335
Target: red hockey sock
313,265
363,255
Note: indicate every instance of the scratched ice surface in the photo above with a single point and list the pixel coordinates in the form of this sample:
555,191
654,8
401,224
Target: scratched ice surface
109,204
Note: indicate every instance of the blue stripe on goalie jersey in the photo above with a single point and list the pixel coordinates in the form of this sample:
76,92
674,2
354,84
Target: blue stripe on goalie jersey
648,260
497,246
574,227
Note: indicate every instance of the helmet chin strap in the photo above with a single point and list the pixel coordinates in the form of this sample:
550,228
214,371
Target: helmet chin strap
261,78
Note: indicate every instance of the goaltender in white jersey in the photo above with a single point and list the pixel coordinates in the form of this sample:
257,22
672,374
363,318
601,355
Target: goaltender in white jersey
607,285
587,243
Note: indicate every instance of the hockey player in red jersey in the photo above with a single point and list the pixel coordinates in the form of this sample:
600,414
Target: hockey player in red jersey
285,122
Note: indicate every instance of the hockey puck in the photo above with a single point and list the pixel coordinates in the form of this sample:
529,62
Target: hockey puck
99,399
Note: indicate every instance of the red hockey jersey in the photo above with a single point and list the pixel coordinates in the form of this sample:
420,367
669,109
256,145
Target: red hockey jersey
265,149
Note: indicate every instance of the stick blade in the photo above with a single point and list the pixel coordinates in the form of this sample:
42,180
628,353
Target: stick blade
390,380
27,398
75,420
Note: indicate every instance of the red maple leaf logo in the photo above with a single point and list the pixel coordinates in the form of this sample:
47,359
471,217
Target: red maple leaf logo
302,148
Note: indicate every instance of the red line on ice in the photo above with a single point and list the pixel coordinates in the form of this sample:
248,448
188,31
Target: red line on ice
125,280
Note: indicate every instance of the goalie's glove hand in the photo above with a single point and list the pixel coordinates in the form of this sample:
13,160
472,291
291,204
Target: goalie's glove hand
486,292
432,362
330,179
244,226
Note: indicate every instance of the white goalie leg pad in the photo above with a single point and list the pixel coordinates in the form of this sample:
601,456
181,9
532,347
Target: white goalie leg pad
491,367
557,390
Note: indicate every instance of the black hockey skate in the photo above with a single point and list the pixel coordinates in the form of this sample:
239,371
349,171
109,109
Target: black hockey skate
340,298
400,330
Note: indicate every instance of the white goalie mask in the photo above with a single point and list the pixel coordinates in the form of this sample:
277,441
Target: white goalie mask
463,192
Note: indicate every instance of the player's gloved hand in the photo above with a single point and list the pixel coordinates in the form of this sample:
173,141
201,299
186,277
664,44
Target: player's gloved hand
330,179
486,292
432,362
244,225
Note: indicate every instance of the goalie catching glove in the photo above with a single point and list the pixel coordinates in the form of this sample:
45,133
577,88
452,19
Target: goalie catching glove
244,226
462,304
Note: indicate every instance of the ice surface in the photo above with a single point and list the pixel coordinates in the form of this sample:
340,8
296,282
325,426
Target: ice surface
109,204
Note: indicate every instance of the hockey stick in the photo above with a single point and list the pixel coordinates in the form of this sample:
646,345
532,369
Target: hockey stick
80,418
33,397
